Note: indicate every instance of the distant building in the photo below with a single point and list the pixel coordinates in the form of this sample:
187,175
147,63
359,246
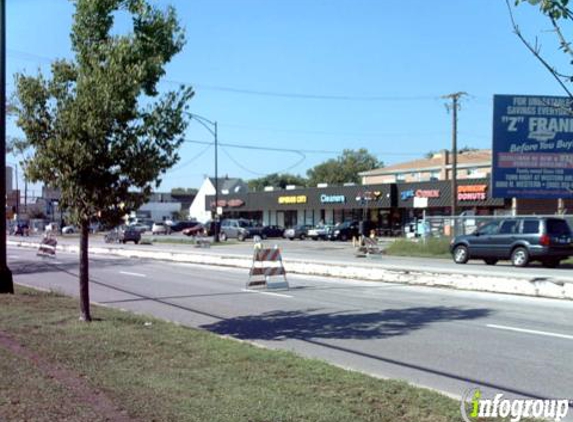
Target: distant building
470,165
200,210
160,206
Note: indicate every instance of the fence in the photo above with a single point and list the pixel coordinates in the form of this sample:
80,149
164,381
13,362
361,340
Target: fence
460,225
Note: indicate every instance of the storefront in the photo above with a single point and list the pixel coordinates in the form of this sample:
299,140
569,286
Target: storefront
416,200
311,206
389,207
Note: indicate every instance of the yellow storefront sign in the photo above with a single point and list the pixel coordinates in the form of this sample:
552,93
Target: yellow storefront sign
292,199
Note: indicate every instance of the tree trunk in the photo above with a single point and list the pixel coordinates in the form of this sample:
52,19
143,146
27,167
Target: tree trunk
84,273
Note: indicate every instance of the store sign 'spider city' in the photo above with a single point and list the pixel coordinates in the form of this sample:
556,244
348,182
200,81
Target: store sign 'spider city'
292,199
472,193
332,199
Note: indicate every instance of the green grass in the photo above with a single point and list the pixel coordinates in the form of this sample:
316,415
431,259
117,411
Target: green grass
432,247
158,371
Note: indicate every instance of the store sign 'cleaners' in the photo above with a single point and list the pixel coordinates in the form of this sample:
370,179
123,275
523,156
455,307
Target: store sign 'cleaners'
332,199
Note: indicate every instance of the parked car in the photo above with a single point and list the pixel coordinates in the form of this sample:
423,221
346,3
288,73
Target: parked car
182,225
240,229
123,234
273,231
160,228
320,232
140,227
70,229
521,240
197,230
297,232
345,231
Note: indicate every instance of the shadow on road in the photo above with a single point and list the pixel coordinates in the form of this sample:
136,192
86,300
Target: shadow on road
47,265
304,325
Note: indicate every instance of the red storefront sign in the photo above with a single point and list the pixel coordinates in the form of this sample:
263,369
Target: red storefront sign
472,193
427,193
235,203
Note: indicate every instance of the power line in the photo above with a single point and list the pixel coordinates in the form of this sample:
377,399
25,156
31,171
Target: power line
192,159
278,94
230,157
262,93
328,133
304,151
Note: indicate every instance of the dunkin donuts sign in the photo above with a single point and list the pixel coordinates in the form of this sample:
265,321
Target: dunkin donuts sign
472,193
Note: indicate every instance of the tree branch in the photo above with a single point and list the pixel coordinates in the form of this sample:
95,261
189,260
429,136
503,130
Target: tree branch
536,51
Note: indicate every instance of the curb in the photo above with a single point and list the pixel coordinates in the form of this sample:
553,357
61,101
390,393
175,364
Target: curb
536,287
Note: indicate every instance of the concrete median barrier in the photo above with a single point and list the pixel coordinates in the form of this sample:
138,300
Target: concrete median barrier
537,287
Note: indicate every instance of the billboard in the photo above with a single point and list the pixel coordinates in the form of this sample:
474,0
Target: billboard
532,147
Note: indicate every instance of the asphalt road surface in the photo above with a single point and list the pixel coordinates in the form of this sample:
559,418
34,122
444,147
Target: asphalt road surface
438,338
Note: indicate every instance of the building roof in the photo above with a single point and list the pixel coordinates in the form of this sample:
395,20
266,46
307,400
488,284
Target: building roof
465,159
229,184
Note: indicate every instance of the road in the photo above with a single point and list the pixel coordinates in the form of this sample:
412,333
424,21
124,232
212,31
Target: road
438,338
343,252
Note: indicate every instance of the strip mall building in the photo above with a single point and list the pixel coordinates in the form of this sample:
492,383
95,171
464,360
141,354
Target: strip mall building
390,197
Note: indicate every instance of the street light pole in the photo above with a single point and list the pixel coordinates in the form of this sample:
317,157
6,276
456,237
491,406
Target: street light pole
6,282
213,130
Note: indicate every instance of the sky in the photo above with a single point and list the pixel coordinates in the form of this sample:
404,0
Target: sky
319,76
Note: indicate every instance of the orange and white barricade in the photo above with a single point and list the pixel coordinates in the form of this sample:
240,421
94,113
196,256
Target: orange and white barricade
267,266
48,245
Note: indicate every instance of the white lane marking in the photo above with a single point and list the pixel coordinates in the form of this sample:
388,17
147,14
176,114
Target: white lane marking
13,257
133,274
266,293
524,330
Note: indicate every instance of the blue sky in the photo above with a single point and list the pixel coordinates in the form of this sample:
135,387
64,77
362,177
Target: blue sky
322,75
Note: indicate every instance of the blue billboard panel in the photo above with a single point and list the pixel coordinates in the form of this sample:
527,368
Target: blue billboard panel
532,147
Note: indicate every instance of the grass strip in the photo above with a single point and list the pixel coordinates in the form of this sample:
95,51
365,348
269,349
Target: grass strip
159,371
185,241
431,247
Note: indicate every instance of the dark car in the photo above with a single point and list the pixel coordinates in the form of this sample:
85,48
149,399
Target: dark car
345,231
272,231
182,225
240,229
123,234
545,239
297,232
196,230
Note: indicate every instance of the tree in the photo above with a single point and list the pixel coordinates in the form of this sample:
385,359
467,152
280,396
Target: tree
344,168
98,128
277,180
558,14
183,191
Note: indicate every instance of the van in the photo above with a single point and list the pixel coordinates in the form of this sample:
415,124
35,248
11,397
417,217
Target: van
519,239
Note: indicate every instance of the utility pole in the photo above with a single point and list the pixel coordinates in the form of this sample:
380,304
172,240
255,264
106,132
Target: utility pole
6,282
217,216
455,97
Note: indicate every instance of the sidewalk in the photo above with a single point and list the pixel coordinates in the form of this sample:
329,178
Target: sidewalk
375,268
